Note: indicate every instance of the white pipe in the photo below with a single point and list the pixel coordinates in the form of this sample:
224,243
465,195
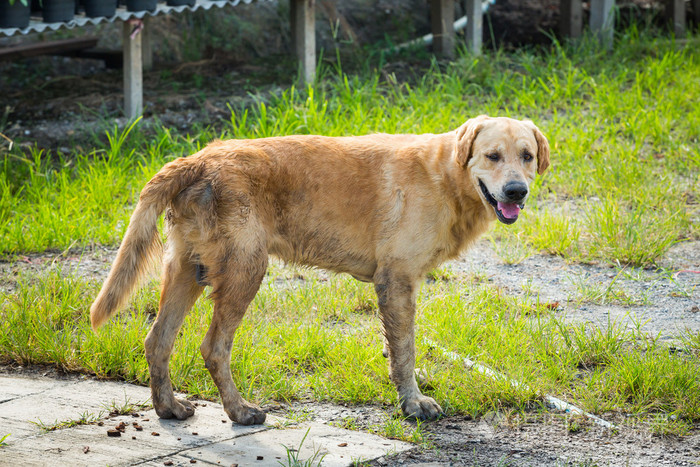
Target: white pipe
458,25
551,401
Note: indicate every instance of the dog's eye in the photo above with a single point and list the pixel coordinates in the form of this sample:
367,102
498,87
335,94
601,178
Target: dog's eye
493,157
527,156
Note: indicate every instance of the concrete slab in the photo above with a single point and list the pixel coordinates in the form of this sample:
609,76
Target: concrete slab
65,400
335,446
12,387
177,461
207,438
17,429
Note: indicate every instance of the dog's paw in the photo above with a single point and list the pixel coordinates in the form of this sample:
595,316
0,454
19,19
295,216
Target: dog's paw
183,409
421,408
247,414
179,408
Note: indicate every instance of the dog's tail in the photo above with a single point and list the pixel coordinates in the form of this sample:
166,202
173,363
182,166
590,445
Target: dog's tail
141,245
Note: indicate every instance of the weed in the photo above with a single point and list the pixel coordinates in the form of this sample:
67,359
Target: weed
396,427
681,290
530,288
634,236
347,423
3,439
299,416
293,456
593,290
691,340
85,418
359,462
511,249
669,425
443,273
125,408
575,424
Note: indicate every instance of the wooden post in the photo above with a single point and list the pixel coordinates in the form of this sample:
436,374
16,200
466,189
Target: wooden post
571,18
675,16
303,26
475,22
442,18
146,45
602,21
133,73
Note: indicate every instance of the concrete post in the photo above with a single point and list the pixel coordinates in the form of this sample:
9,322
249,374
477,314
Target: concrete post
571,18
442,18
602,21
303,26
133,72
675,16
475,22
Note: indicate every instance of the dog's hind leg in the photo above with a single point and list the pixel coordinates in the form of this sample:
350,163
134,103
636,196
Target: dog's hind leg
179,292
235,285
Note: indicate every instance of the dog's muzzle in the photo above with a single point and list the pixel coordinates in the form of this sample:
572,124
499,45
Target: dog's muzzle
514,194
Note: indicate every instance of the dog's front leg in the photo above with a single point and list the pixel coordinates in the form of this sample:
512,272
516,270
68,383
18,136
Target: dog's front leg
397,304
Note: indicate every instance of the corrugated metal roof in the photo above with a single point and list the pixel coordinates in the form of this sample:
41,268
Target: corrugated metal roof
121,15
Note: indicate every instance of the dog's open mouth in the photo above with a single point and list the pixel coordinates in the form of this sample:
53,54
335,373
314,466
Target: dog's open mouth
506,212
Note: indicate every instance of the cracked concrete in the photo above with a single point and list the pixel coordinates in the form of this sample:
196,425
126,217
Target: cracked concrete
208,438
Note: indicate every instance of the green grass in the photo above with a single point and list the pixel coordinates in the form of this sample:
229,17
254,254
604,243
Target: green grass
622,126
313,342
293,456
86,418
592,290
126,407
622,189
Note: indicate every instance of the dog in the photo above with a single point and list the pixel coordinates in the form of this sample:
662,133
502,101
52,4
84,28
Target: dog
383,208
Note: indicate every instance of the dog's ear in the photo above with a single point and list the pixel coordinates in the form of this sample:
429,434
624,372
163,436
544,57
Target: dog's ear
466,134
542,147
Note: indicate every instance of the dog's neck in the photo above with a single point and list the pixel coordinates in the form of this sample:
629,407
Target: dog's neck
469,218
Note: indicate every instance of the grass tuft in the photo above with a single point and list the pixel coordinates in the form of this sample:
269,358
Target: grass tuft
85,418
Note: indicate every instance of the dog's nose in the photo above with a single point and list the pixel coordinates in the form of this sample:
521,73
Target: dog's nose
515,191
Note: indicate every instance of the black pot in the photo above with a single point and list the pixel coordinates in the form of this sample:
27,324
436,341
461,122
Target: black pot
55,11
13,16
141,5
180,2
99,8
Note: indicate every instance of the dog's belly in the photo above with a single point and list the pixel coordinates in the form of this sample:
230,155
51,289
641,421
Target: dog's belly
325,252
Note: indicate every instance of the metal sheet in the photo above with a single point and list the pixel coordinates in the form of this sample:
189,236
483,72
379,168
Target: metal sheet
121,15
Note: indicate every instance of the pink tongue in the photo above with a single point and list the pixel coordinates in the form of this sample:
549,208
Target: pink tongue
509,211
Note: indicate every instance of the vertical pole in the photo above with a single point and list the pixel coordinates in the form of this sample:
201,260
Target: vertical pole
133,75
303,25
571,19
442,18
475,22
603,20
675,16
146,44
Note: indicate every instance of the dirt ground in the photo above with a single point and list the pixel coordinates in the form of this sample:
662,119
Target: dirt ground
497,439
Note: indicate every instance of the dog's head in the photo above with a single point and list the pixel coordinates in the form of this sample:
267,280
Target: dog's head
502,157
